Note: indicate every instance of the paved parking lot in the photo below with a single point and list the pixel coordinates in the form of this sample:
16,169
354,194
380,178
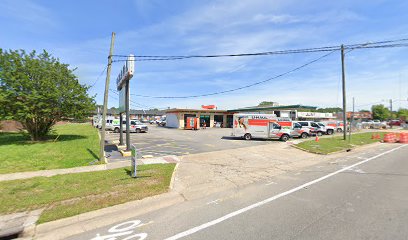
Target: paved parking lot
160,141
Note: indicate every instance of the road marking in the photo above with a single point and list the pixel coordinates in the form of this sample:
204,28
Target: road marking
270,183
216,201
268,200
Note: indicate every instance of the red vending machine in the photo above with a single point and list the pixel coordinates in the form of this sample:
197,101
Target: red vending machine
192,123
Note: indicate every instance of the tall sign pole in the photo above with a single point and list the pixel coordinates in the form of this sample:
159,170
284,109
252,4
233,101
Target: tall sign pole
127,115
105,101
343,77
120,129
122,82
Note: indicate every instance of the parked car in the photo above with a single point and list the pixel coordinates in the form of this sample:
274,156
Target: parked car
161,122
336,125
395,122
312,128
374,124
135,126
298,132
329,130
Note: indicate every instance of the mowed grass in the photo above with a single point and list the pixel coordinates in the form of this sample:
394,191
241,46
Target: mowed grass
71,145
71,194
334,144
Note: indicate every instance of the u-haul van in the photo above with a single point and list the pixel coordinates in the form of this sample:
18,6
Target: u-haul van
266,126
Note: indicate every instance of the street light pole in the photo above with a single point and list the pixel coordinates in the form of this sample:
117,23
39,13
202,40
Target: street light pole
343,77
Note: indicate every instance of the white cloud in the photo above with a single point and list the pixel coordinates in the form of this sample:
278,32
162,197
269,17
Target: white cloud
27,13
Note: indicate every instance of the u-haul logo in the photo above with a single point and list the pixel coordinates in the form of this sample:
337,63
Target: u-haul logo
260,117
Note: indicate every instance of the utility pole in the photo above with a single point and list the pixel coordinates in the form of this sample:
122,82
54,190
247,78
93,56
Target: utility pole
351,121
343,77
105,101
391,112
391,107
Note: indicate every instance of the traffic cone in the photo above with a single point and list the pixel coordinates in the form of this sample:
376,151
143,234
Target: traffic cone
317,138
378,136
373,136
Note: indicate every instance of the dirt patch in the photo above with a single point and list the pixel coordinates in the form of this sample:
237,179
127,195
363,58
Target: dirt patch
10,126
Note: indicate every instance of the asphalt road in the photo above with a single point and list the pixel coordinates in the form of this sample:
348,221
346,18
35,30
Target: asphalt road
160,141
364,197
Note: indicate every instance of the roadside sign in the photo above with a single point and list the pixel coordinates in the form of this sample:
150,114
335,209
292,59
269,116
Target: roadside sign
126,73
122,100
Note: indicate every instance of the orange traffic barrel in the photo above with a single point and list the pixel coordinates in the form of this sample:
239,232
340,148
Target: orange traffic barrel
403,138
390,138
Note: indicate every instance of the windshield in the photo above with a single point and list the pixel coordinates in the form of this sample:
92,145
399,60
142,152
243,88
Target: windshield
314,125
321,124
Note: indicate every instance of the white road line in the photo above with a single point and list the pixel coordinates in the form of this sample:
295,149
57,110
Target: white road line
270,183
268,200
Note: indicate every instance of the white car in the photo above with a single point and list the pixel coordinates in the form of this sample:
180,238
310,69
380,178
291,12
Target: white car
135,126
329,130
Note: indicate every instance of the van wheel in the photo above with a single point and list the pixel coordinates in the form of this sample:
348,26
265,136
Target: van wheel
339,130
319,134
116,130
304,135
284,137
247,136
138,130
330,131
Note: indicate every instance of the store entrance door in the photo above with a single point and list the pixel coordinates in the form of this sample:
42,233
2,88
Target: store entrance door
205,119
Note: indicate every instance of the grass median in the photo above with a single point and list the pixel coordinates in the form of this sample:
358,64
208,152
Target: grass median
72,145
334,144
71,194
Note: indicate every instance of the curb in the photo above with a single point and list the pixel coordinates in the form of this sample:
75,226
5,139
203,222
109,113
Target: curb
331,153
62,171
67,227
173,176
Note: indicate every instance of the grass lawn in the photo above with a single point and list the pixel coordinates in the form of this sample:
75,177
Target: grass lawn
72,194
72,145
333,144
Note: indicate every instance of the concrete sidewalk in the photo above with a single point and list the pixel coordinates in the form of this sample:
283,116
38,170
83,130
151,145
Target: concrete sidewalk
199,175
94,168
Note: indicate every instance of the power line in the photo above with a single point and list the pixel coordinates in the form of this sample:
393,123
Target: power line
131,101
243,87
167,58
97,79
378,44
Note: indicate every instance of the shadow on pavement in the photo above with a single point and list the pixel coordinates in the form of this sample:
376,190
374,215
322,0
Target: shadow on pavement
241,139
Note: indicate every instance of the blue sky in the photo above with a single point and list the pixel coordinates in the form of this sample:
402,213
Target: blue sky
78,32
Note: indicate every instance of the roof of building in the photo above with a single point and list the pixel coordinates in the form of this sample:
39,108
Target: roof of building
271,108
136,112
194,110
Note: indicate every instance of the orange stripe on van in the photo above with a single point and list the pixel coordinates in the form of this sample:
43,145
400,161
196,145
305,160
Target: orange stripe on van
285,124
258,122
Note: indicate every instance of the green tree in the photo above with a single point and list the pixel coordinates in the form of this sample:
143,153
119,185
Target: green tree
402,113
330,110
266,103
37,90
380,112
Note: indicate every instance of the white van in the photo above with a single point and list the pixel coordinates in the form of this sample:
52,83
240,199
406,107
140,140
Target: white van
109,123
264,126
